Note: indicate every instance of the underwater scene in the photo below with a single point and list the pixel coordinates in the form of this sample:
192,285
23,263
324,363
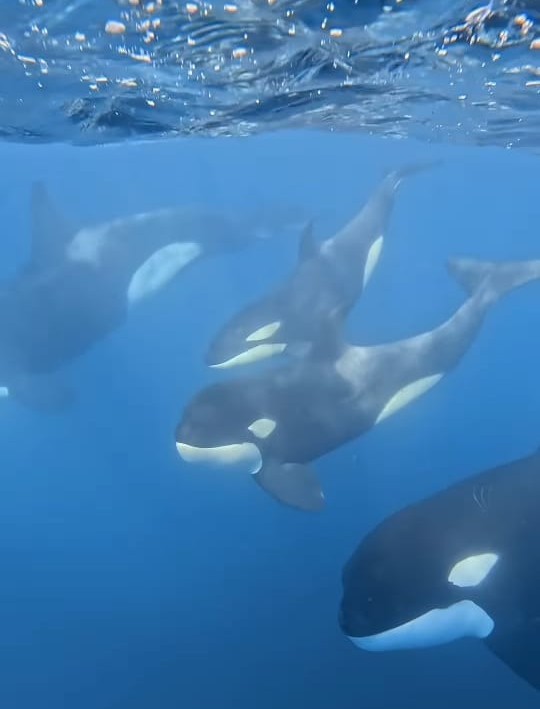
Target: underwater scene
269,345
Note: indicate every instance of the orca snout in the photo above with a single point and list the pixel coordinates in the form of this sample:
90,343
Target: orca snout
349,621
354,619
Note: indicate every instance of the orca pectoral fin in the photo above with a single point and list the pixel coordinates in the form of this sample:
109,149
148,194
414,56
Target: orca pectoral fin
43,393
519,649
292,484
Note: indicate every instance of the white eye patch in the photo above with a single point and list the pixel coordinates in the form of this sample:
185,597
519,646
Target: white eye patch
264,332
472,570
262,428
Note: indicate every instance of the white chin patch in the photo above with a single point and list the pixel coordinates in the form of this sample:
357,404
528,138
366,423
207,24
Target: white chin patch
252,355
437,627
472,570
160,268
245,456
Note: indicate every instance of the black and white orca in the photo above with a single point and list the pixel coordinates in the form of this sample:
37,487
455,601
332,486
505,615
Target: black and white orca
79,284
464,562
275,423
328,280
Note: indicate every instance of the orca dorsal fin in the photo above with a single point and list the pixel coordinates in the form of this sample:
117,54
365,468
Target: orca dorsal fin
308,246
50,230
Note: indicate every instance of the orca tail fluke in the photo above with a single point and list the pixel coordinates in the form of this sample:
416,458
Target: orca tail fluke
395,177
495,279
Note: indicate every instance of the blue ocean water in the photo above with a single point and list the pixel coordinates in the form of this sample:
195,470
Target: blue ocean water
83,72
130,579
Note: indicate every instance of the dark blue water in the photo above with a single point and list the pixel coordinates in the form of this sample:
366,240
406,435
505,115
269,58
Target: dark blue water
130,580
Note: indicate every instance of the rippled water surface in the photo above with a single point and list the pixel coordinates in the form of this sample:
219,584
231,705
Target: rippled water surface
87,71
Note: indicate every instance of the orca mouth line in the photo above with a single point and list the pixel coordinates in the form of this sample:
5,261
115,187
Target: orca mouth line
438,626
254,354
244,455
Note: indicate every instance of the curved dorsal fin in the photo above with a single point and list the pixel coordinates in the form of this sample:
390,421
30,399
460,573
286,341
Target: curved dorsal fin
308,246
50,230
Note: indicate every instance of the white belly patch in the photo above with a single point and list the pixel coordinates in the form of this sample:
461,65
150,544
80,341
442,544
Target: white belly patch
407,394
160,268
372,258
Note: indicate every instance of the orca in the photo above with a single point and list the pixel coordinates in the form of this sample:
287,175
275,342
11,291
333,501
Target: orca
328,280
275,423
464,562
80,282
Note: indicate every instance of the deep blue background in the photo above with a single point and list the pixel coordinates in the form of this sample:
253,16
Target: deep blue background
131,580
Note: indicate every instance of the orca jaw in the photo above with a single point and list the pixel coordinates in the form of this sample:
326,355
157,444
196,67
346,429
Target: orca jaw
245,455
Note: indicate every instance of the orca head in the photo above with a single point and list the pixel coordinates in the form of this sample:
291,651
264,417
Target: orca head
396,597
227,424
257,332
